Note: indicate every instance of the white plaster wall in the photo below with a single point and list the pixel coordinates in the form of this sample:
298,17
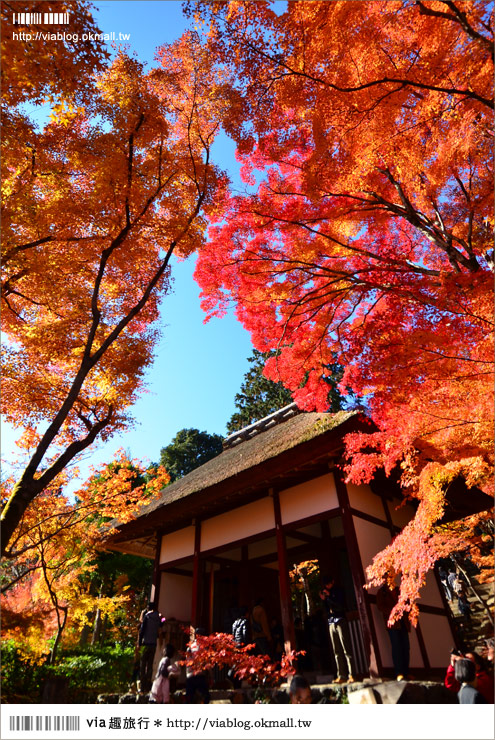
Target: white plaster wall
175,596
401,514
371,539
238,523
309,498
438,639
363,499
415,661
179,544
430,593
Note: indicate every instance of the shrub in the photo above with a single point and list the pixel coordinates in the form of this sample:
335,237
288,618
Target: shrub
98,670
22,678
87,670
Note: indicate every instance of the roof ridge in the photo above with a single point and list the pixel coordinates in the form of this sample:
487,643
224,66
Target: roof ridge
267,422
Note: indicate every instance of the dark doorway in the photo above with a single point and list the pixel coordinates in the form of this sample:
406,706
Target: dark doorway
315,552
231,591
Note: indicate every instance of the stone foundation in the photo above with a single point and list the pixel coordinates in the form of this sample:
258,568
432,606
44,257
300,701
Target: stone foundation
370,691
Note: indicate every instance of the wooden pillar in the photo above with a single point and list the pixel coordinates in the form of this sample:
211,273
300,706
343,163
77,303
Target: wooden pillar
388,516
422,646
283,578
365,616
196,584
157,574
211,596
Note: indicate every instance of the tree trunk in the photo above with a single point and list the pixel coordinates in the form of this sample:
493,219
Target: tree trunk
61,625
83,639
103,630
23,493
96,628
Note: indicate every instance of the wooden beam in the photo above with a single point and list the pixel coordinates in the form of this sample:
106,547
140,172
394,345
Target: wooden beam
157,576
283,578
369,518
365,617
310,538
220,560
179,572
292,554
422,646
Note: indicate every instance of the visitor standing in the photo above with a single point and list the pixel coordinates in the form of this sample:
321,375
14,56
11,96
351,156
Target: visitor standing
450,580
444,580
460,590
240,628
197,691
135,683
149,633
334,601
260,629
398,632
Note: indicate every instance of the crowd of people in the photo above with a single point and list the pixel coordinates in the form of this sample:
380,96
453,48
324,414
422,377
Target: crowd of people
469,674
455,587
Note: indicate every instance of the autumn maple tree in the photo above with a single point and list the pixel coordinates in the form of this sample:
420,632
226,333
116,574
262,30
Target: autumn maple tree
219,650
364,132
95,203
36,70
52,556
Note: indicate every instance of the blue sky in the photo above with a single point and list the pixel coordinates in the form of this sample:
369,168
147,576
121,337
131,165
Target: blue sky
198,368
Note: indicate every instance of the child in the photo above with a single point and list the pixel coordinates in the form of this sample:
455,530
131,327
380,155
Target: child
197,691
160,691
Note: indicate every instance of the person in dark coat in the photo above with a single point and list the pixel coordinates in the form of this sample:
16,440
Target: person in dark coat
334,602
197,683
240,628
398,632
149,633
465,673
444,580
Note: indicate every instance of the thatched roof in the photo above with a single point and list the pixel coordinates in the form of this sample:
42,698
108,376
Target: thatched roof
247,465
263,455
250,453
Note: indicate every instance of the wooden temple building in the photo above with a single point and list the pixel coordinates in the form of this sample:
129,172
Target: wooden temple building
231,531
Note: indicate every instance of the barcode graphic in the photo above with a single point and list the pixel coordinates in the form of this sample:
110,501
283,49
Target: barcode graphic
51,724
28,19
